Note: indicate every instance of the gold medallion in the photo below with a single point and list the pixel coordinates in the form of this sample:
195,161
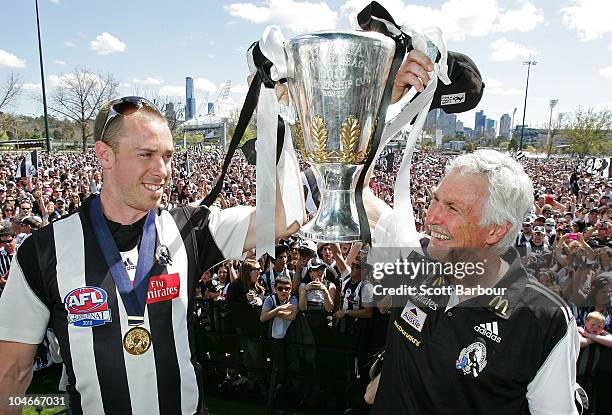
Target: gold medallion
137,341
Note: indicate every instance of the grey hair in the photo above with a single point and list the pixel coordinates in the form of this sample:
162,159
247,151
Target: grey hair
510,192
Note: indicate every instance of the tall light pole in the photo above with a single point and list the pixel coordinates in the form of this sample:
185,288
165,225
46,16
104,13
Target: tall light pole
528,63
552,103
42,77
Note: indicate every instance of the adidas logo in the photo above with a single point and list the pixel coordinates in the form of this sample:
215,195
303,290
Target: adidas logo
489,330
129,265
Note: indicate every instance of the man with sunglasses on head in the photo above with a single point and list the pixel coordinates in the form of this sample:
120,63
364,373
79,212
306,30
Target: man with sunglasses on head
125,330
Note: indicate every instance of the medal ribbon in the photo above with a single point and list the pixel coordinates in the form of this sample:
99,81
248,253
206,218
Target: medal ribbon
133,296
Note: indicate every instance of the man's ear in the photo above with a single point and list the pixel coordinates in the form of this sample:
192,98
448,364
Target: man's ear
497,232
105,154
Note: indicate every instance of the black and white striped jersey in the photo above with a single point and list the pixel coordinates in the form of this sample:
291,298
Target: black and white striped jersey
5,262
60,269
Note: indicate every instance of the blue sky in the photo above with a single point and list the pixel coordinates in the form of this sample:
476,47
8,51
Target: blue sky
150,46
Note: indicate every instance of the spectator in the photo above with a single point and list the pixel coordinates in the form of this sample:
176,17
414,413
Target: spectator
593,331
281,253
356,293
316,292
306,251
247,288
7,250
523,240
280,306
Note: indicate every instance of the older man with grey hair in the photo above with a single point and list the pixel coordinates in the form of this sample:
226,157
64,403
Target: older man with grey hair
475,334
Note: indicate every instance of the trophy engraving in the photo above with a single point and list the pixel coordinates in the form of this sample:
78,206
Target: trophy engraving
336,83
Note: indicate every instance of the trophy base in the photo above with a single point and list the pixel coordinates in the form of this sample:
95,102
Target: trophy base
337,219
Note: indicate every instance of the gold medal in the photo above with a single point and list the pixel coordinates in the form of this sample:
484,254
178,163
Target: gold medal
137,341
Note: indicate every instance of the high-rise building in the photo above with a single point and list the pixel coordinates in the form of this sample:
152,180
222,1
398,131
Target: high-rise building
170,112
459,127
491,126
431,121
190,104
479,123
504,125
447,123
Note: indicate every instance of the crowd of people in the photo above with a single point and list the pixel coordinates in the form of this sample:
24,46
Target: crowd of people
565,242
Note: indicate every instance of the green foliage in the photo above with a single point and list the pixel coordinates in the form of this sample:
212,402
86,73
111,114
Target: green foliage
513,144
589,132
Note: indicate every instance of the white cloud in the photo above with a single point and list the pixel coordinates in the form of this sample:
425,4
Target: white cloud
204,84
589,18
126,85
53,80
291,15
62,80
173,91
460,18
524,19
148,81
211,42
606,72
55,1
69,44
106,44
59,62
239,89
505,50
495,87
31,87
11,61
211,56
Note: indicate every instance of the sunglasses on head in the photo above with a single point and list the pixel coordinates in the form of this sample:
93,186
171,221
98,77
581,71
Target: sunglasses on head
125,106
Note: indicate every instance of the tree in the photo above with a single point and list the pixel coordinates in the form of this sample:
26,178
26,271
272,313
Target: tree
588,131
80,96
232,121
513,144
10,90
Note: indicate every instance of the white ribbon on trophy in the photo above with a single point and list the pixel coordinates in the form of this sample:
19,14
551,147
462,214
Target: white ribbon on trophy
395,229
268,172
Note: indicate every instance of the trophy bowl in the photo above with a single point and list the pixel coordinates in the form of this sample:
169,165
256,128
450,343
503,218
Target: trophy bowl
336,83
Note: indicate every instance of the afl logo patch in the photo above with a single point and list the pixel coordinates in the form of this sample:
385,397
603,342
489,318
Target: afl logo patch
87,307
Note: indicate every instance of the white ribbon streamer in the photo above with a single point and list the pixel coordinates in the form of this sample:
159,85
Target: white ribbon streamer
395,229
286,172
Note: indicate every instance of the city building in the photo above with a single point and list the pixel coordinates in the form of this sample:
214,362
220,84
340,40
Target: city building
447,123
530,136
468,133
479,123
504,125
190,104
459,127
491,127
432,119
170,112
456,146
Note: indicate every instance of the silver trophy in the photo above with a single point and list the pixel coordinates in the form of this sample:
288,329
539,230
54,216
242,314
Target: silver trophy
336,83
